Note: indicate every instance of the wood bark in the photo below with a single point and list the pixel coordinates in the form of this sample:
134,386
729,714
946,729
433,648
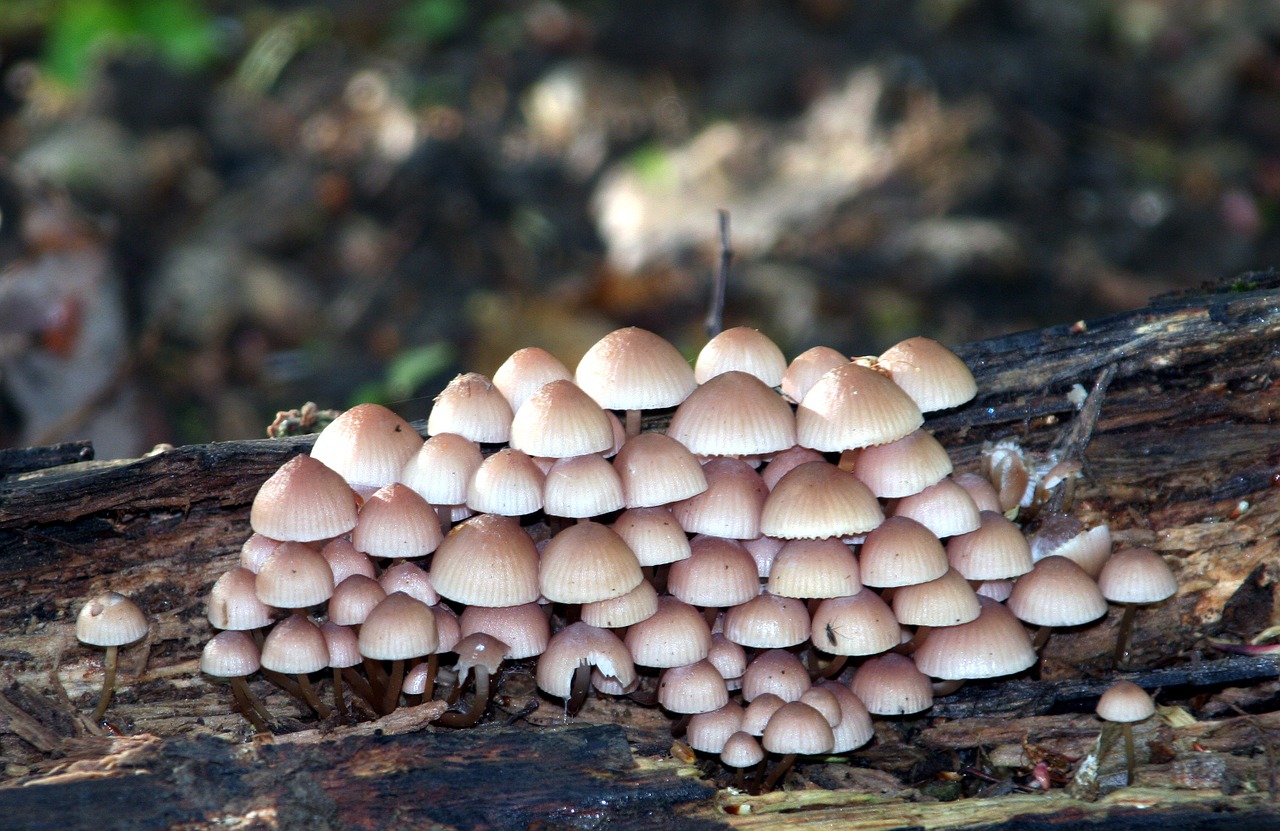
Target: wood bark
1180,452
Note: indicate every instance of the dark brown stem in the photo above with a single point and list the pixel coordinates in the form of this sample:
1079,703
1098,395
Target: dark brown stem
309,696
578,690
356,682
339,704
284,682
377,681
479,703
1129,752
108,685
715,311
249,706
1042,638
1120,658
632,424
680,725
833,667
392,697
778,772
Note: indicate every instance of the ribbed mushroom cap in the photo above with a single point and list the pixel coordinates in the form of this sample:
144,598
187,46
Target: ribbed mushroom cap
892,685
579,644
1005,466
720,572
741,349
410,579
946,509
561,420
1057,592
653,534
634,369
1090,549
479,650
1126,702
814,569
1137,575
605,685
674,636
230,655
817,500
997,590
303,501
508,483
806,368
448,629
656,469
442,469
523,628
695,688
344,560
902,467
853,406
994,644
767,622
487,561
741,750
625,610
798,728
234,604
353,599
947,601
764,550
861,624
731,504
901,552
527,371
471,407
110,619
585,563
399,628
996,551
394,522
256,550
929,372
709,731
295,576
734,414
729,658
343,644
785,462
581,486
855,728
367,445
757,713
295,646
824,701
980,489
778,672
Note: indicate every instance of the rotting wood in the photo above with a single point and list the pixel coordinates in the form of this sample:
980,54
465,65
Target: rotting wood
1182,457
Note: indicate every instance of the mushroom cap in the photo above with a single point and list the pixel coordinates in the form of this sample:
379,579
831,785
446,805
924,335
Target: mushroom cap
442,468
733,414
902,467
901,552
582,486
1126,702
230,654
527,371
524,628
353,599
634,369
788,460
798,728
110,619
852,406
944,508
855,728
295,576
694,688
1057,592
758,712
741,750
295,646
487,561
561,420
234,604
641,603
947,601
395,522
767,621
410,579
993,644
653,534
741,349
729,507
933,375
479,650
814,569
674,636
508,483
579,644
1137,575
860,624
778,672
892,685
719,572
729,658
656,469
806,368
343,644
710,730
817,500
399,628
344,560
471,407
585,563
303,501
368,446
995,551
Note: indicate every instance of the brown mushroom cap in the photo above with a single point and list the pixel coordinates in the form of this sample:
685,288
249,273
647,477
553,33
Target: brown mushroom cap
695,688
1126,702
778,672
734,414
487,561
230,654
993,644
656,469
395,522
110,619
561,420
674,636
295,576
741,750
902,467
1137,575
933,375
410,579
798,728
303,501
234,604
295,646
641,603
901,552
729,507
861,624
471,407
508,483
995,551
741,349
767,621
947,601
523,628
399,628
634,369
944,508
892,685
852,406
816,500
653,534
814,569
855,728
1057,592
353,599
367,445
585,563
710,730
719,572
581,486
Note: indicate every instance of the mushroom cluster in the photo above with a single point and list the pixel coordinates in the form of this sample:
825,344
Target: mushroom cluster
792,517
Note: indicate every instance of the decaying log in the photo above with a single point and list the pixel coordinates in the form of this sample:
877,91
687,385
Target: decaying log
1180,452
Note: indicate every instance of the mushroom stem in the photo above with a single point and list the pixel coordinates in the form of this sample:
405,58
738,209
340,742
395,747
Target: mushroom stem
1129,752
578,690
249,706
356,682
1042,638
1121,655
847,459
833,667
479,703
377,680
633,423
108,684
778,772
392,697
339,704
680,725
309,696
284,682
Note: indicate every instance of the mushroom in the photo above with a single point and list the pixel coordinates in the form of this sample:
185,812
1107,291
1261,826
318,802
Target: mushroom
233,655
633,370
1134,577
483,654
1126,704
111,620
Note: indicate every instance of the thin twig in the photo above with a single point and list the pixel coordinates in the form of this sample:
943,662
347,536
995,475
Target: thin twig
715,313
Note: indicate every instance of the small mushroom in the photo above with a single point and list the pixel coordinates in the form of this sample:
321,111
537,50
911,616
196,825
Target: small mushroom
483,654
1126,703
234,655
111,620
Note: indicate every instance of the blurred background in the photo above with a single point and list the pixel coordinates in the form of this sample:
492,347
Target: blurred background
210,211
